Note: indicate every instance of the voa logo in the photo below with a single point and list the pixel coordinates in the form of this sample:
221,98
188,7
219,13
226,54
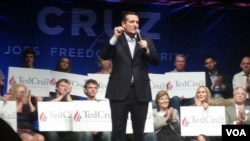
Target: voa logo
236,132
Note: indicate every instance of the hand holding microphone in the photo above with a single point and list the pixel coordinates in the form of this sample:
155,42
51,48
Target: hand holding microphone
143,43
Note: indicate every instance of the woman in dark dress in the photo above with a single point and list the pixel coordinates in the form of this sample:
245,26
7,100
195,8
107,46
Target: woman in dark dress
26,113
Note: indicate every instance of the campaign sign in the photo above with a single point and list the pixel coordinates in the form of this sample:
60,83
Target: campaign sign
157,82
96,116
91,115
37,80
102,80
149,124
8,112
184,83
196,120
235,132
55,116
77,82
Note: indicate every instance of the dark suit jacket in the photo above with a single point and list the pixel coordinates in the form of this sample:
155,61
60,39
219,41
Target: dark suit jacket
228,92
124,67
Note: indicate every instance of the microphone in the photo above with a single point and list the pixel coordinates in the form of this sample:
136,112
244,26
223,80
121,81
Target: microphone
138,33
139,36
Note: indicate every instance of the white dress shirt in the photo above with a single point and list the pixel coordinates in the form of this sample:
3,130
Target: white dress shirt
240,80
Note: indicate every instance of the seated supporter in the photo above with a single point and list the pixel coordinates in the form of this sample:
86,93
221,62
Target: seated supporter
63,90
203,98
242,78
105,66
239,112
26,113
217,83
166,119
91,89
176,102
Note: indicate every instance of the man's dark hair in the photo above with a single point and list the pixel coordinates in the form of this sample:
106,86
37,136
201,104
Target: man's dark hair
28,51
209,56
92,81
124,15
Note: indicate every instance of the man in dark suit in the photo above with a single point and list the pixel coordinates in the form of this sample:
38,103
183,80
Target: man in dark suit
217,82
129,85
220,88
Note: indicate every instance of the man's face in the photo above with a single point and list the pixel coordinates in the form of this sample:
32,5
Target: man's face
239,96
245,65
210,64
131,24
180,63
62,88
91,90
29,59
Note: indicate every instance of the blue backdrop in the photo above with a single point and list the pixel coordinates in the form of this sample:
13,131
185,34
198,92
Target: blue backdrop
80,29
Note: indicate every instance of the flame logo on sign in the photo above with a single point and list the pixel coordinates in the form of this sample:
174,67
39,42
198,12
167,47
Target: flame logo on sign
43,117
169,85
52,81
77,116
12,81
185,122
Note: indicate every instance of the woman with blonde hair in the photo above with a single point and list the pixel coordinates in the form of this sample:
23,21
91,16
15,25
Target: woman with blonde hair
26,113
202,97
166,119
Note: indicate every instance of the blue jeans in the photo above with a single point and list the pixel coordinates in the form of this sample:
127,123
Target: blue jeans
176,102
150,137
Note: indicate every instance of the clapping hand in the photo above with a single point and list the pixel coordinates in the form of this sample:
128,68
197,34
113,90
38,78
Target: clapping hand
170,115
218,80
67,90
241,116
198,102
